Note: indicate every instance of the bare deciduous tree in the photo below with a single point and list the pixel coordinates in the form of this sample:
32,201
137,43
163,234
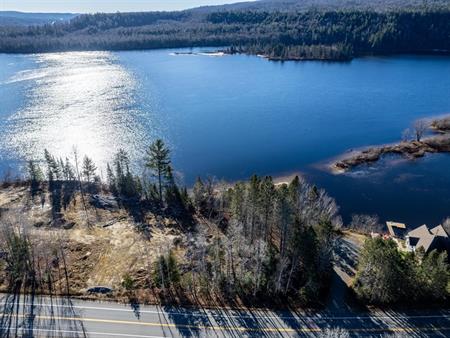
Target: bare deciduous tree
420,127
365,223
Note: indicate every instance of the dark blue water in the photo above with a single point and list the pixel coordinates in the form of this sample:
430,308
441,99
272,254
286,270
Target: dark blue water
233,116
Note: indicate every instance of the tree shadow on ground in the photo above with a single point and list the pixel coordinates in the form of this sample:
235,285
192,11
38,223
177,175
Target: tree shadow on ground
61,194
138,210
29,315
346,257
135,306
220,318
188,319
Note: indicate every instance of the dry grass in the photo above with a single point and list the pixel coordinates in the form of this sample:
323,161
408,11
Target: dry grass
103,246
100,248
355,237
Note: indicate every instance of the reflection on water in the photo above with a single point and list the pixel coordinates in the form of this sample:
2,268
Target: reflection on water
410,191
83,99
234,116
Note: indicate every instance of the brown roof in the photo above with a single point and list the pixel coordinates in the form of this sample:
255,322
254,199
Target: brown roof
426,238
421,231
439,231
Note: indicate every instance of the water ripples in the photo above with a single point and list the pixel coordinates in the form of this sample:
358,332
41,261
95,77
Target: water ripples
86,100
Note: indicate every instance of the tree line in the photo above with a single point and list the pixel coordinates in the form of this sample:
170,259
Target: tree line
160,187
272,238
311,34
387,276
277,238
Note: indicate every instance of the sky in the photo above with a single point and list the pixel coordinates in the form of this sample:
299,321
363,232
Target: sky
89,6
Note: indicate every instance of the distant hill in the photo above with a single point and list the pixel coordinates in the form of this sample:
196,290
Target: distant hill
303,5
277,29
11,18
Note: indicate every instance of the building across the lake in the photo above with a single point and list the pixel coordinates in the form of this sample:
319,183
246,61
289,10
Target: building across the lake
428,238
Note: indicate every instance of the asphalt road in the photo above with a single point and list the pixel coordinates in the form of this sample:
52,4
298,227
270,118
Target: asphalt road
61,317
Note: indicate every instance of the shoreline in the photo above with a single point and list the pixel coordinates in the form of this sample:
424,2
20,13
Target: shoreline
410,149
278,179
222,51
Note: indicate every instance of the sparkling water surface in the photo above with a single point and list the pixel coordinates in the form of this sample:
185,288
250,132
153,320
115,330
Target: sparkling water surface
233,116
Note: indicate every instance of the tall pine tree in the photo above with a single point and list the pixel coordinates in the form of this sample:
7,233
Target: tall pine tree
158,161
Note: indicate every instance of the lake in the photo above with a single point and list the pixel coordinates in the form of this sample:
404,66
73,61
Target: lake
233,116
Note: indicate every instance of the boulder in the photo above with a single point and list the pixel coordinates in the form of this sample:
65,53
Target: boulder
58,222
69,225
103,202
39,224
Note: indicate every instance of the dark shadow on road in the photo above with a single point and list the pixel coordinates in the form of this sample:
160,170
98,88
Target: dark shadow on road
28,315
346,257
190,322
136,307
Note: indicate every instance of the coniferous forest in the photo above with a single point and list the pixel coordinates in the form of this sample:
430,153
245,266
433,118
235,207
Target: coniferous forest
290,34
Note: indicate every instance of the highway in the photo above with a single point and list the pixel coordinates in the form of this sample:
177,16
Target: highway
24,316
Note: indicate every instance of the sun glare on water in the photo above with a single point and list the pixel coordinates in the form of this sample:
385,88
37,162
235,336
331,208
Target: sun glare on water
83,100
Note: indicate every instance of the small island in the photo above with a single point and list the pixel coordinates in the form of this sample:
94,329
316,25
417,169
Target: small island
407,147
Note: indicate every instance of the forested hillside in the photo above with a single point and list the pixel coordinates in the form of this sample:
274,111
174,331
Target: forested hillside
277,34
11,18
302,5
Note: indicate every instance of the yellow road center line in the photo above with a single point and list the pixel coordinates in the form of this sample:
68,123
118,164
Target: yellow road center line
233,328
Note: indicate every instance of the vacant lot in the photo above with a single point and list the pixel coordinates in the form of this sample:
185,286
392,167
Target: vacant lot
89,246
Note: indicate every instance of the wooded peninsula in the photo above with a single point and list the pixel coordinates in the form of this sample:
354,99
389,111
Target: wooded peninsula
413,145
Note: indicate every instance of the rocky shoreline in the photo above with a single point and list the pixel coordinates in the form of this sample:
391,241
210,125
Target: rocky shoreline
408,149
441,125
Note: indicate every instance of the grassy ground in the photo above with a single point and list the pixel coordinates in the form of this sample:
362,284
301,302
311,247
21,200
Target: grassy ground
97,247
85,247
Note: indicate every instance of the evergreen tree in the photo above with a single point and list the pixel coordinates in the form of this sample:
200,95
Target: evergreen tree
128,282
185,198
53,170
166,271
267,198
68,171
111,179
198,193
122,180
435,275
387,276
253,197
381,271
172,268
88,168
238,202
172,194
284,216
34,172
121,165
294,187
158,162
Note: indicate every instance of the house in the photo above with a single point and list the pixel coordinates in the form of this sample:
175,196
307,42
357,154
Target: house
429,239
